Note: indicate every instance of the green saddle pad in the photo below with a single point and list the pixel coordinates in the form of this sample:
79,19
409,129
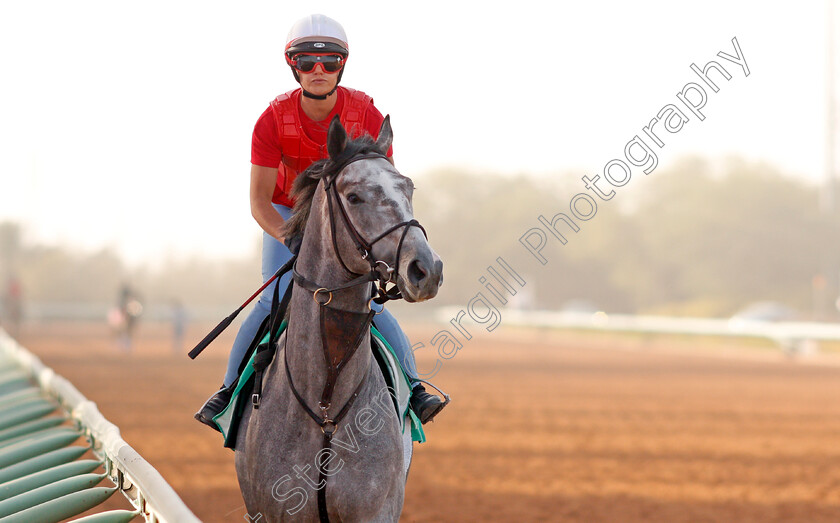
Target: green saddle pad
395,378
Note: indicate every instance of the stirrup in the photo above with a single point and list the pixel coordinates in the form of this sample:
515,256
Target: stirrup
432,385
213,406
424,411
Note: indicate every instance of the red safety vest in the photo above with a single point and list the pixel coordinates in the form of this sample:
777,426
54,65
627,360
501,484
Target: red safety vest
299,151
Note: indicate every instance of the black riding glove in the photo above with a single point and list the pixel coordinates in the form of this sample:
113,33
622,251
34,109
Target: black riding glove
293,243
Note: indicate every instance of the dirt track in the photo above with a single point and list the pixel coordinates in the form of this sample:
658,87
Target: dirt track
561,427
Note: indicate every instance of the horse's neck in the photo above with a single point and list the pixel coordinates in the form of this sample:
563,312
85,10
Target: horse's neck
305,340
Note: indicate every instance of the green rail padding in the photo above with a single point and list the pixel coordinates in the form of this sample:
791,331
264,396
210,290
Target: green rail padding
48,441
12,381
48,492
112,516
15,385
12,397
23,400
30,427
7,411
45,477
22,415
63,507
40,418
11,376
38,434
50,459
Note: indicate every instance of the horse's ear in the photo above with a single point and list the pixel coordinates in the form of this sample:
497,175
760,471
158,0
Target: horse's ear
336,137
386,136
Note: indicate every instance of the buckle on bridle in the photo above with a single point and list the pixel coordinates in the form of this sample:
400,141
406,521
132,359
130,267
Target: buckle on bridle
328,427
370,308
315,296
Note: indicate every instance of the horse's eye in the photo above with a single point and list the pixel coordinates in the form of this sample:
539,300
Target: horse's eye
353,198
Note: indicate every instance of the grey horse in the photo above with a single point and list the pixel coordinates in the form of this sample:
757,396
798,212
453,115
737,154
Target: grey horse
281,459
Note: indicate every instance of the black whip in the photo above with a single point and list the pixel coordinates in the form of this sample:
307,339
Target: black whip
227,321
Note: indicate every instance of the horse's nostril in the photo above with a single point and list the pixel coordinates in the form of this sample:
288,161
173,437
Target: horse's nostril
416,273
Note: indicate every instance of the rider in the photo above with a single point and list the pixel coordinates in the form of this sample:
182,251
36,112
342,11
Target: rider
289,136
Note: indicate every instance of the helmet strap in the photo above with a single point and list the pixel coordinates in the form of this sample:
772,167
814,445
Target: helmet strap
318,96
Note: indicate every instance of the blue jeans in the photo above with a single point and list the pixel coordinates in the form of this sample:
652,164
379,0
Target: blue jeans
274,255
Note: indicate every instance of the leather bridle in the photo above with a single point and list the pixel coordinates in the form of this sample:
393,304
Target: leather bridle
363,246
338,350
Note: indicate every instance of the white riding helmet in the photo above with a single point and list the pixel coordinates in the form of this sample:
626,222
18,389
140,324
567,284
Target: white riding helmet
316,34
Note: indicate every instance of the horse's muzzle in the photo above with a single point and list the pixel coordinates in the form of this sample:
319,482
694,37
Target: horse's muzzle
422,278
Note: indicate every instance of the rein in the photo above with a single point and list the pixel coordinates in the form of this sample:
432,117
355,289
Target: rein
339,345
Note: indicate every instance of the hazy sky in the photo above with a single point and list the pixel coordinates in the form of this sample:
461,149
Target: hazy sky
128,124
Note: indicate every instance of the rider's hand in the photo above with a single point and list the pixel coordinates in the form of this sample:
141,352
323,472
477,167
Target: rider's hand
293,243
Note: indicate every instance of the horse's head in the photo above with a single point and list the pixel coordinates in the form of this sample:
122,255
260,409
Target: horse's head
366,213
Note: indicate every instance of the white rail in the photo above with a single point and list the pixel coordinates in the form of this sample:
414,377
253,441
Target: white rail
790,335
665,324
140,482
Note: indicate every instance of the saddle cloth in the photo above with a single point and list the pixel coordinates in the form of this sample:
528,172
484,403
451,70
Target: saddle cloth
398,384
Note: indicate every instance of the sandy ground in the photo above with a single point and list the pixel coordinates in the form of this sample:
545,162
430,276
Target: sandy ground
542,426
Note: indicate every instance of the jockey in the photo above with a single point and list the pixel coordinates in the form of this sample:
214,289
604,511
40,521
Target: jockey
289,136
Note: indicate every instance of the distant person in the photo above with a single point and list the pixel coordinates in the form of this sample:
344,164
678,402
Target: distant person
126,315
13,306
179,325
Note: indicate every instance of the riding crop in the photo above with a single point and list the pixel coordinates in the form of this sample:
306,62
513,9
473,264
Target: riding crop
227,321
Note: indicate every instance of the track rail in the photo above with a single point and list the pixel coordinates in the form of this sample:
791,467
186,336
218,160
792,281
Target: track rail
149,494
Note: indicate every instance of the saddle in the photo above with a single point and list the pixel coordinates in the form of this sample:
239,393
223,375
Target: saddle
398,384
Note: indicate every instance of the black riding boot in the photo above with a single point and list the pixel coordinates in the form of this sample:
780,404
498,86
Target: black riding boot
425,405
214,406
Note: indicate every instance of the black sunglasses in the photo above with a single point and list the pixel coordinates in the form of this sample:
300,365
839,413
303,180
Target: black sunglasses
306,63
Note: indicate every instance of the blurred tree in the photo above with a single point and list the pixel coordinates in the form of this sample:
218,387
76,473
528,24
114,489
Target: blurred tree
744,235
695,239
691,240
54,274
473,219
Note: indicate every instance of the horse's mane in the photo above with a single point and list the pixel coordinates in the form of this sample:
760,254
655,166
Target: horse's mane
303,188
